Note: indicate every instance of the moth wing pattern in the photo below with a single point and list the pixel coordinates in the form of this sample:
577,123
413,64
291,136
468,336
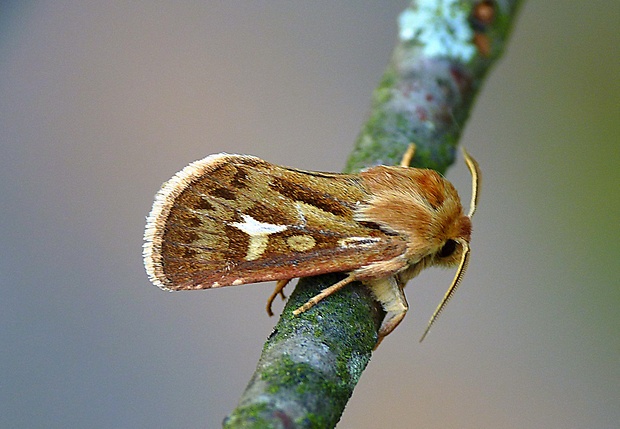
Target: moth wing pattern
236,219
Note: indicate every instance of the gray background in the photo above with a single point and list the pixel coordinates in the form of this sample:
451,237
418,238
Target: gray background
100,102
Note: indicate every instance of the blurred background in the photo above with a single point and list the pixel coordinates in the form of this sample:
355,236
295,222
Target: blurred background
100,102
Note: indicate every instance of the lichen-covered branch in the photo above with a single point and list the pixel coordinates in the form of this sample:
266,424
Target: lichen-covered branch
312,362
444,51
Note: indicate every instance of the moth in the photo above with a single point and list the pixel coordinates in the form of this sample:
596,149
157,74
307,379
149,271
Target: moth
229,220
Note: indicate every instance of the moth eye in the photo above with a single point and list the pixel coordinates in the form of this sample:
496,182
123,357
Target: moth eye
448,249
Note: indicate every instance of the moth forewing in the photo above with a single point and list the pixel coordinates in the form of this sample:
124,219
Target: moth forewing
235,219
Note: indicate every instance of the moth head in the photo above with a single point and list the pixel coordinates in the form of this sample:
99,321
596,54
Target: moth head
455,248
450,252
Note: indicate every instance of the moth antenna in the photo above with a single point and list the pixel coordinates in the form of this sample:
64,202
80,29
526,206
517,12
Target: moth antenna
476,177
455,284
408,155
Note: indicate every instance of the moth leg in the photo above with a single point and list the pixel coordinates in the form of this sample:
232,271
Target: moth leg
324,294
279,290
408,155
389,292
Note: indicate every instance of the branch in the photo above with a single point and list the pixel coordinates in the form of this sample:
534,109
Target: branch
311,363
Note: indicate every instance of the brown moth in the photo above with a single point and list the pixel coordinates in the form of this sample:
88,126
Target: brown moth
236,219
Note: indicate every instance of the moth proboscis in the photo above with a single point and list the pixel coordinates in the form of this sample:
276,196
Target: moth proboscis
236,219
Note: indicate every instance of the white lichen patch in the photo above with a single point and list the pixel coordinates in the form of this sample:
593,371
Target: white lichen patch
440,27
